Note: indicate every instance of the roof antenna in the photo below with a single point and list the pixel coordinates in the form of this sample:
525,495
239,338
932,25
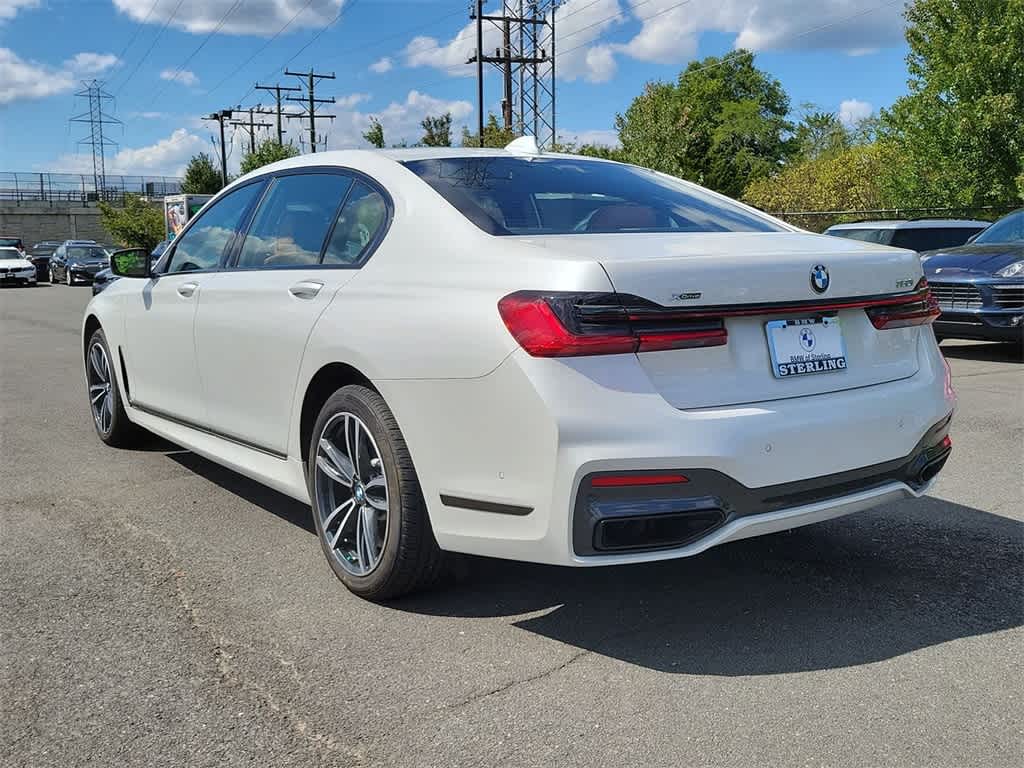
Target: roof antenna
524,145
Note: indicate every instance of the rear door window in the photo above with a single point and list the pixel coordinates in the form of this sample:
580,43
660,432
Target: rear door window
293,220
358,227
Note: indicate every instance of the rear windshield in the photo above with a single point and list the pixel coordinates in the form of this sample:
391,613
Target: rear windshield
914,238
561,196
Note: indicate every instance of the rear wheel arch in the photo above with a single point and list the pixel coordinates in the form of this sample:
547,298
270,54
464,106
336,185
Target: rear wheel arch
92,323
325,382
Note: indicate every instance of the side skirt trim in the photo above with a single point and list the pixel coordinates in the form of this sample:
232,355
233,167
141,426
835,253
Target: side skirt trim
206,430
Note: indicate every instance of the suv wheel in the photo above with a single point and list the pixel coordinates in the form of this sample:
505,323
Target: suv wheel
367,504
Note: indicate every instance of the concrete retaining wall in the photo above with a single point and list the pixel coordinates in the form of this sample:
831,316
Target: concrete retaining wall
33,221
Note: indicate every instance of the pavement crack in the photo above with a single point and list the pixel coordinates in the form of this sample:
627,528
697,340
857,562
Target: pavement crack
514,683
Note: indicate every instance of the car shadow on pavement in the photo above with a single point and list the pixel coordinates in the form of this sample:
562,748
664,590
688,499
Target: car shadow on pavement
853,591
284,507
986,350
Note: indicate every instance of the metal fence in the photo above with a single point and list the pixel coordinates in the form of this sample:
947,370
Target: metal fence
822,220
81,188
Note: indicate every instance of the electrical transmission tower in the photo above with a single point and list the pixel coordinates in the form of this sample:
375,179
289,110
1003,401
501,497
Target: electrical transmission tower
526,60
97,118
311,102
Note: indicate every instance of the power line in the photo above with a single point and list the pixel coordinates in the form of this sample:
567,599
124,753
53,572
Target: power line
311,101
194,53
277,89
152,45
261,49
138,30
250,125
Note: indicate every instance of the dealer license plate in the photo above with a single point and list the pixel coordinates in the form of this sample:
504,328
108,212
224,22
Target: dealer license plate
805,346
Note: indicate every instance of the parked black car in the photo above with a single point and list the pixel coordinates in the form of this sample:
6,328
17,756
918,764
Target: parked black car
77,260
980,286
105,277
40,256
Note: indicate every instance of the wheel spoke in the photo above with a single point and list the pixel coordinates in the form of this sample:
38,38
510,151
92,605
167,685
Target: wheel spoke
352,443
99,395
368,520
334,514
105,415
375,500
334,463
96,358
341,526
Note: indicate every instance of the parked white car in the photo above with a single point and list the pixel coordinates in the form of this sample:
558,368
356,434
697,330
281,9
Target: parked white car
523,355
15,268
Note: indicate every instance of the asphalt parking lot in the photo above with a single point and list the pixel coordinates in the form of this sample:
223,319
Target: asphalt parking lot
156,610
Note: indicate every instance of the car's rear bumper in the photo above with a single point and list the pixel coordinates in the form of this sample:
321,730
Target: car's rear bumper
502,459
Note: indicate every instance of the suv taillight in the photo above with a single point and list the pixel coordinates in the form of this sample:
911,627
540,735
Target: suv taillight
560,324
919,308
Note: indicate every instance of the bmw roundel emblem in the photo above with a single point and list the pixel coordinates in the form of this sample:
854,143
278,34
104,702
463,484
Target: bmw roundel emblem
819,278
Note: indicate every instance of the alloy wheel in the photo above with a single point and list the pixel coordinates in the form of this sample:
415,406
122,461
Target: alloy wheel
100,388
351,494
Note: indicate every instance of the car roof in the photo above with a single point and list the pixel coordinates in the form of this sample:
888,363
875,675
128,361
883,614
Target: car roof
912,224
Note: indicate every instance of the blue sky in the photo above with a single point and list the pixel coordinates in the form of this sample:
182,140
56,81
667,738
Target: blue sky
170,61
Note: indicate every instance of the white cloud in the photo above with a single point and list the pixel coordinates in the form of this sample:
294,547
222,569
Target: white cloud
185,77
250,17
347,102
166,157
382,65
400,119
88,63
9,8
853,111
24,80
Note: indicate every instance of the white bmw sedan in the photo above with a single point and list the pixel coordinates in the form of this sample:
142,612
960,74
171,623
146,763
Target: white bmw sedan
522,355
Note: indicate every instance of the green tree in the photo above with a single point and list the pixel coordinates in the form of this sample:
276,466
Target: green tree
202,176
722,124
495,136
268,151
820,134
959,131
851,179
437,131
375,133
137,224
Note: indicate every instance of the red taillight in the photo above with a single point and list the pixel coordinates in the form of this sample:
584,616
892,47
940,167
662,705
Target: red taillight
919,308
573,324
620,481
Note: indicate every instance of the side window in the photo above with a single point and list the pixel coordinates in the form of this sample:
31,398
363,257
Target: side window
293,220
203,244
358,224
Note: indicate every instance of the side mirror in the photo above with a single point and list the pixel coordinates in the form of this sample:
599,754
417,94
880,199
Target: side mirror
130,262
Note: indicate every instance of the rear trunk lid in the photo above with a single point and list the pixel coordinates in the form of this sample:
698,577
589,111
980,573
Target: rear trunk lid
757,274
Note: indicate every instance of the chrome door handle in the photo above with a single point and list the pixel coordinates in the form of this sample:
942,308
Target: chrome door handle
306,289
186,290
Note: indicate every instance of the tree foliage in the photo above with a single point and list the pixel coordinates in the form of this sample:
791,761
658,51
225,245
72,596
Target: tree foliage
268,151
721,124
138,224
820,134
495,135
437,131
375,133
851,179
202,176
959,132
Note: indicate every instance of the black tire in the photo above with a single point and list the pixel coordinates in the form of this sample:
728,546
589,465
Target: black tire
410,559
121,433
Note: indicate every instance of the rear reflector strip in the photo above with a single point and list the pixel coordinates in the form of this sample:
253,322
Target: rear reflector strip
619,481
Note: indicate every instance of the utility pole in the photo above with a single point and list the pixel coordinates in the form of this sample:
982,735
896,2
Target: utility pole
312,78
96,118
277,90
527,29
251,125
220,117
